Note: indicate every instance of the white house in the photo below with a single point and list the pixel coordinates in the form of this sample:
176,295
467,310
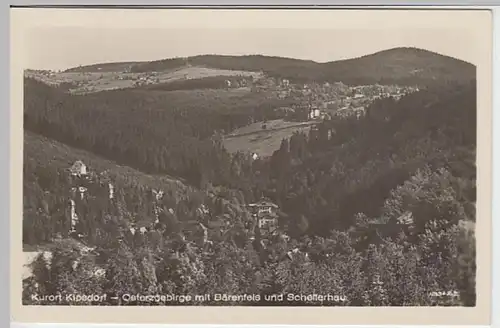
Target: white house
406,218
204,209
263,207
255,156
294,252
100,272
269,223
158,194
314,113
265,213
78,169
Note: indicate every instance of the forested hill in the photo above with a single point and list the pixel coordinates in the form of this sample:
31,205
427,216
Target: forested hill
410,66
155,132
48,187
103,67
353,166
401,66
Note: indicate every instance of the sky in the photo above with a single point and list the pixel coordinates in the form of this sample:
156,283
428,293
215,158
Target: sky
60,43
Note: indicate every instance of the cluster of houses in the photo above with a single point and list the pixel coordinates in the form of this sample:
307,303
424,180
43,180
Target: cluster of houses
145,79
303,112
362,96
327,100
241,82
46,76
264,213
39,72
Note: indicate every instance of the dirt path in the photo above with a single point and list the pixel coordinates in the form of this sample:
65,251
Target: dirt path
298,125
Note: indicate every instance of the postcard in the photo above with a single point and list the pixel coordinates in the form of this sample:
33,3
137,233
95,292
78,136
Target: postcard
251,166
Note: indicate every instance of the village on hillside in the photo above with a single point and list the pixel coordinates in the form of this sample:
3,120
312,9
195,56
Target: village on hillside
313,101
307,106
316,101
97,81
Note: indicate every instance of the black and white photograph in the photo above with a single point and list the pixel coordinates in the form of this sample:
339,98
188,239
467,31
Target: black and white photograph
296,167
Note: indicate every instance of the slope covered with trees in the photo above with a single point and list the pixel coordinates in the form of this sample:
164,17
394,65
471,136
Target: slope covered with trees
330,179
157,132
423,267
103,67
47,185
403,66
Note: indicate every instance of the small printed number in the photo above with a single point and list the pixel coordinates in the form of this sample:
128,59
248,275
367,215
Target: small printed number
451,293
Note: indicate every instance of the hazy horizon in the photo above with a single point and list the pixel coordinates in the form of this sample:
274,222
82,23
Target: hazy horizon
61,48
